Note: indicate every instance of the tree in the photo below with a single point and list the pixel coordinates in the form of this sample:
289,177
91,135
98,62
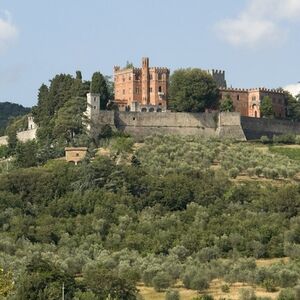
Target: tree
161,281
227,104
42,280
6,283
293,106
99,86
266,107
106,283
192,90
26,154
78,75
69,119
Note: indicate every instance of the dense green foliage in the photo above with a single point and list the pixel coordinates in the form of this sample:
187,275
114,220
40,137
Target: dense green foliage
10,110
99,86
166,213
192,90
266,107
227,105
60,109
293,106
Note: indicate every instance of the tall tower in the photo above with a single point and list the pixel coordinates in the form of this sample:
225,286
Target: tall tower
92,109
145,81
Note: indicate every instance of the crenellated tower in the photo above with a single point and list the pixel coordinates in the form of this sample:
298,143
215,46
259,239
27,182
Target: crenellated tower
145,81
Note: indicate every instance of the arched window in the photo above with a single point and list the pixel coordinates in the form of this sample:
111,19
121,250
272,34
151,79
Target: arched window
151,109
159,89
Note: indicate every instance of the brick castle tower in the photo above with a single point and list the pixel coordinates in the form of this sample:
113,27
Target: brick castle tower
145,86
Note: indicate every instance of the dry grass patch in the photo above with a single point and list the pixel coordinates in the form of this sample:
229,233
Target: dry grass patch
215,290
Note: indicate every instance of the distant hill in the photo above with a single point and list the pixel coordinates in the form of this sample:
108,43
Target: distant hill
8,110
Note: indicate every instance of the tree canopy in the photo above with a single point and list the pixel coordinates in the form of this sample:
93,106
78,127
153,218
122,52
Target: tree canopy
227,104
266,107
192,90
99,86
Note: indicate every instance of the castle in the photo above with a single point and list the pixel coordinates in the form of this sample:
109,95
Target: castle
141,95
248,101
144,89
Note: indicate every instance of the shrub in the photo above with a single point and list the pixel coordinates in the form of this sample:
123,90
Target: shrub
234,172
199,283
269,285
265,140
161,281
4,151
172,295
288,278
225,288
287,294
297,139
284,139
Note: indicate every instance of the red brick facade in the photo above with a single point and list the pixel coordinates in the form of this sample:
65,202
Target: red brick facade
247,102
146,86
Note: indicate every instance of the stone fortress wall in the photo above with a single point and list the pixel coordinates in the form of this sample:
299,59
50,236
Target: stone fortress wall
223,125
23,136
143,124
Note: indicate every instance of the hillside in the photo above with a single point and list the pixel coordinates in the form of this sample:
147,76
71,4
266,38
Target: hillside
169,211
8,110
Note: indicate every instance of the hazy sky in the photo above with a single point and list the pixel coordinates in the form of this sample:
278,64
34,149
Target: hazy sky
256,41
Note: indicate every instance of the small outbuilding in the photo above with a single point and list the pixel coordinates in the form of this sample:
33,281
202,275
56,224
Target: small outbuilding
75,154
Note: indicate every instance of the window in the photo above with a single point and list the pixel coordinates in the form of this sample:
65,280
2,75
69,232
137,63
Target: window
238,97
94,99
253,98
150,90
77,154
137,77
159,76
159,89
151,76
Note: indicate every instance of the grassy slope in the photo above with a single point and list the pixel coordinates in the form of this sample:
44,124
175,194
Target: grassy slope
149,293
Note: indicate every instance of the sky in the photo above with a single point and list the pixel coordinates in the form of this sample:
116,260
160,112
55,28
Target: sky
255,41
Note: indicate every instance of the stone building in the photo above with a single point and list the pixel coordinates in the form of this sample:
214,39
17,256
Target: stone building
219,77
247,101
141,87
75,154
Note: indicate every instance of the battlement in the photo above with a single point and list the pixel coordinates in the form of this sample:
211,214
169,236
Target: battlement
160,70
217,72
261,89
222,89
